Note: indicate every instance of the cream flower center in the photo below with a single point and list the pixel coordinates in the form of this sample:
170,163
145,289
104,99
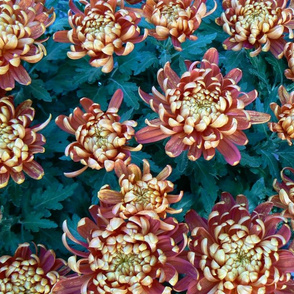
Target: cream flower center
239,259
142,194
25,277
172,12
12,147
256,17
101,26
125,260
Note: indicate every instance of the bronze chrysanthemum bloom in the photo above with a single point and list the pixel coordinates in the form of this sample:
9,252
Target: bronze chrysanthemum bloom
285,197
22,22
19,142
178,19
201,111
140,192
30,273
238,252
101,139
284,113
289,55
125,257
256,24
100,31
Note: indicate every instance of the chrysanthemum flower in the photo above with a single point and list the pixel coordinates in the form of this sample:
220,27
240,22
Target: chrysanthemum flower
19,142
201,111
140,192
256,24
289,55
238,252
176,18
100,31
125,257
22,22
100,137
285,197
284,113
30,273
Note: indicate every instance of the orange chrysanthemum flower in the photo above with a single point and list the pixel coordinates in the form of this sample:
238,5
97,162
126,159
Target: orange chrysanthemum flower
19,142
176,18
22,22
100,137
201,111
30,273
256,24
238,252
100,31
125,257
140,192
284,113
285,197
289,54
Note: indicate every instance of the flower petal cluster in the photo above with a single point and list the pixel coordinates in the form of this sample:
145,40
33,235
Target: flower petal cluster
140,192
201,111
176,18
100,31
284,113
256,24
236,251
100,137
19,142
126,257
289,55
22,22
285,197
30,273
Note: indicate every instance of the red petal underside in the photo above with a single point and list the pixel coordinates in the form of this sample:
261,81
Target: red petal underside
61,37
4,178
229,151
211,55
20,75
150,134
33,169
116,100
175,146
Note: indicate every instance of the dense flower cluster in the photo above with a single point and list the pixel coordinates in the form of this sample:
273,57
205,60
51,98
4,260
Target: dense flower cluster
256,24
19,142
100,31
201,111
132,256
30,273
22,22
100,137
176,18
285,197
284,113
140,193
236,251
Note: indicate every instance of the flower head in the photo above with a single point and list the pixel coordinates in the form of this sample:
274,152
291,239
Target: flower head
236,251
30,273
289,54
125,257
100,138
140,192
176,18
19,142
100,31
22,22
285,197
256,24
201,111
284,113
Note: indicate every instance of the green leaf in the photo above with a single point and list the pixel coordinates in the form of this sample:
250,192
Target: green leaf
34,221
38,90
130,90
